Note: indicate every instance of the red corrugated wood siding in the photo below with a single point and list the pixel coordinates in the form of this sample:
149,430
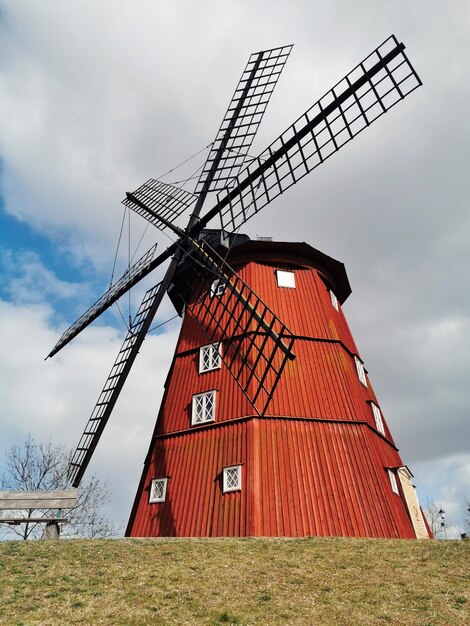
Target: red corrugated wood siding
299,478
306,310
195,504
314,465
321,382
326,479
185,382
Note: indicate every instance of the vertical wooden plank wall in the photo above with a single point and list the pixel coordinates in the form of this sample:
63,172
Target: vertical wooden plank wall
315,464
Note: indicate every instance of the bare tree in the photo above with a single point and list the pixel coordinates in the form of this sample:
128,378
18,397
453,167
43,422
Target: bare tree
432,511
34,467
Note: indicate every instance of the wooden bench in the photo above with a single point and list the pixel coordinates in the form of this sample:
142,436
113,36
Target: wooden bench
32,500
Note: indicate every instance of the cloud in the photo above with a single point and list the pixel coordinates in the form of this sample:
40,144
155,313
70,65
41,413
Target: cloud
29,281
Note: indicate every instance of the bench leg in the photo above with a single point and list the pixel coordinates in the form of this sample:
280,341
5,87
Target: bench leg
51,531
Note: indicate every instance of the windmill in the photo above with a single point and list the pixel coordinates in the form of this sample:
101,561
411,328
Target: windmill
235,330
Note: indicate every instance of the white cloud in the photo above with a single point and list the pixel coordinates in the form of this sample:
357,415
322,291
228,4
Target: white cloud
31,282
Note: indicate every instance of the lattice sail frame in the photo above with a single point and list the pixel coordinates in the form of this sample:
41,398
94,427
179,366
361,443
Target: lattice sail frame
256,345
109,297
108,396
243,117
356,101
167,200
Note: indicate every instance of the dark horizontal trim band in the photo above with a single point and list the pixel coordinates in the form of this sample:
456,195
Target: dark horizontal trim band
295,337
247,418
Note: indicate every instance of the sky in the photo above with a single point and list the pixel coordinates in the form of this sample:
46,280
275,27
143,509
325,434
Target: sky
98,97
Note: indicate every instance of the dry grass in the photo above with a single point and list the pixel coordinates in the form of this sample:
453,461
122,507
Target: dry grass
228,581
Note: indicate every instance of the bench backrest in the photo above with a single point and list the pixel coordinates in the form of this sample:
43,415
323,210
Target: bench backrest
58,499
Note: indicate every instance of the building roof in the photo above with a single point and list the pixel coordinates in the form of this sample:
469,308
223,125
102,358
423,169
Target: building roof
295,253
243,250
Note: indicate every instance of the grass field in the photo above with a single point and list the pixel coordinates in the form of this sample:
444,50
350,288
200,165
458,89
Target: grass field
229,581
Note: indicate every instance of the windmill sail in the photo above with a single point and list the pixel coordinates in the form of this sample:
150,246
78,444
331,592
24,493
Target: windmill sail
130,277
373,87
165,199
380,81
256,343
112,388
242,119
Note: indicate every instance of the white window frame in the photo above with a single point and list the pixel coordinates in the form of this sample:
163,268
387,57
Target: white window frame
218,288
334,301
153,498
393,481
214,351
227,472
361,372
208,416
379,424
285,279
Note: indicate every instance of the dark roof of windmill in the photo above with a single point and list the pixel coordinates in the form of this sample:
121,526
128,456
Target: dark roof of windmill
296,253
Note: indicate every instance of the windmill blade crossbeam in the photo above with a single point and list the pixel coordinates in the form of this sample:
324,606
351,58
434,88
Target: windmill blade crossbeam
167,200
242,119
373,87
256,344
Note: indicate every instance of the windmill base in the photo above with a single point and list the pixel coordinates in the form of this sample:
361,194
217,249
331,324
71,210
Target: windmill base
299,477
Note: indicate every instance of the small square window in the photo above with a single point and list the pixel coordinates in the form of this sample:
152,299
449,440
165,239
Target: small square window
378,418
232,478
203,408
285,279
361,373
393,481
158,490
334,301
218,287
210,357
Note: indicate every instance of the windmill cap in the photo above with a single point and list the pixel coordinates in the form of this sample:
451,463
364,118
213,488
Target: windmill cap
239,249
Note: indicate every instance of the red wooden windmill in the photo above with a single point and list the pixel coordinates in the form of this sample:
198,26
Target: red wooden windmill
268,424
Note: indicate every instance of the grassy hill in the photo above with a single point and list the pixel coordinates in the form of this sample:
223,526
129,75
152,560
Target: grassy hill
228,581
